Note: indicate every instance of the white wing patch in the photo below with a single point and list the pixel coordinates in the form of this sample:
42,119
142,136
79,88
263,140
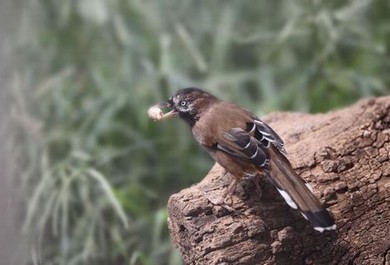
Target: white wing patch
322,229
288,199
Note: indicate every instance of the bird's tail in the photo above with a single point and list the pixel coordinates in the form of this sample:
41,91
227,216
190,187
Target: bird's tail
297,193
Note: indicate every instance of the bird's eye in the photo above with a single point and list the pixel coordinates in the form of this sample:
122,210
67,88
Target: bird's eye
183,103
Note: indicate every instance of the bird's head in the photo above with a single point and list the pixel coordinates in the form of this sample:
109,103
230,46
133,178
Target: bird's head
188,104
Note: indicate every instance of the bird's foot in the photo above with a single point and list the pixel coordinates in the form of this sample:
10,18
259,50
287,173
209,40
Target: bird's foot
255,180
220,200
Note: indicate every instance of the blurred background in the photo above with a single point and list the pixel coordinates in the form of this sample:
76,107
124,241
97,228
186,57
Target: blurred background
85,175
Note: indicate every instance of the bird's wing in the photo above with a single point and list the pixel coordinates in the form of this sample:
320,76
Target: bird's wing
251,144
265,134
263,147
242,145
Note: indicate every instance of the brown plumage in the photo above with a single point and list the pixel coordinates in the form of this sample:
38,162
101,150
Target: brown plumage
244,145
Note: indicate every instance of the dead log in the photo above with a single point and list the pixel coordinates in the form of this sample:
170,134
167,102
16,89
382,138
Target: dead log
344,154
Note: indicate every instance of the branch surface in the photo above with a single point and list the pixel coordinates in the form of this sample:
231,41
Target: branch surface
343,154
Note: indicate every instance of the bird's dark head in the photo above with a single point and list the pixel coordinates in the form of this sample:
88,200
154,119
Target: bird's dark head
188,104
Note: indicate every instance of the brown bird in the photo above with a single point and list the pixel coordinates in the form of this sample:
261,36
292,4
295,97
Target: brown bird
245,146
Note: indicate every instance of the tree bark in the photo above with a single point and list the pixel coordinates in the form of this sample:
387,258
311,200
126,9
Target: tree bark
343,154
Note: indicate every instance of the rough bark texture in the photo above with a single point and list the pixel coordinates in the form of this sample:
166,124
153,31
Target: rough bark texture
343,154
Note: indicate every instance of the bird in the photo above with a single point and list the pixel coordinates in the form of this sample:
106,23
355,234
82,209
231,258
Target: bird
244,146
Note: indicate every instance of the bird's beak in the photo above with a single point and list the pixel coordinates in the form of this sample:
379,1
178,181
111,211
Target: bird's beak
169,114
156,112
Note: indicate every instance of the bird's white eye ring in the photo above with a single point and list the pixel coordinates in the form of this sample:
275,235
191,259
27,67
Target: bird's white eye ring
183,103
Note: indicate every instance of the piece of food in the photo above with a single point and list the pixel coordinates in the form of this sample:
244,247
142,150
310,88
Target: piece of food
155,113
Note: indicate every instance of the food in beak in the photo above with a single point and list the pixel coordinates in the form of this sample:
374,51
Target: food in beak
155,112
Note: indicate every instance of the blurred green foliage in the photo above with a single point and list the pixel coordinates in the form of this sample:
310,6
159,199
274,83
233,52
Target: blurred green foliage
95,171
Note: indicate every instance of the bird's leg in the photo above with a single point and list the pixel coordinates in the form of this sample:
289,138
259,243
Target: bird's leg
232,187
254,180
220,200
258,188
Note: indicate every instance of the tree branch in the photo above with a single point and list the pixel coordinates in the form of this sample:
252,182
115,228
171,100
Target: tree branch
343,154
